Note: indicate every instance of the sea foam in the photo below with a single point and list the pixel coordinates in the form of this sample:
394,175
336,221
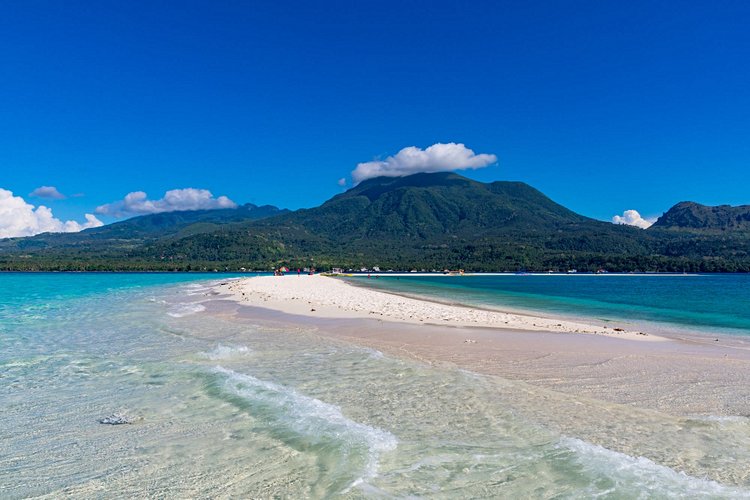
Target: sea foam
312,422
185,309
226,352
643,475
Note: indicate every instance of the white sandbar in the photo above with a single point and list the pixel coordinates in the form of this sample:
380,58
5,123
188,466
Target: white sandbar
328,297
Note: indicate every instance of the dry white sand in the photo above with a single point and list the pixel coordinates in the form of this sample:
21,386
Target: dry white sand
328,297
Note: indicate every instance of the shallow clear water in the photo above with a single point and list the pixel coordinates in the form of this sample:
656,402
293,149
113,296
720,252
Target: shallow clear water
228,407
713,303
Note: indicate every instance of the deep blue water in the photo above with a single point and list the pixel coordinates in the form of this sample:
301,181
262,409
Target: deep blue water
716,303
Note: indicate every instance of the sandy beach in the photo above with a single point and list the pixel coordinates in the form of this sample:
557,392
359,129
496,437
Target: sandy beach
329,297
679,376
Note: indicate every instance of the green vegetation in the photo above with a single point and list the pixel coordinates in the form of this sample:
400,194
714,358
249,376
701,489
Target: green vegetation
424,221
689,215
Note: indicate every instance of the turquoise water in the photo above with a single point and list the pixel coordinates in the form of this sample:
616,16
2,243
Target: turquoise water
224,406
714,303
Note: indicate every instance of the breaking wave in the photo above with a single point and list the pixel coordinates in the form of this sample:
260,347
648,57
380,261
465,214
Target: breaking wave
641,476
226,352
185,309
310,424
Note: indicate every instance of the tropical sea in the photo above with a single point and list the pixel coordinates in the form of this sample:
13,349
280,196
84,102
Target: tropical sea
218,406
702,304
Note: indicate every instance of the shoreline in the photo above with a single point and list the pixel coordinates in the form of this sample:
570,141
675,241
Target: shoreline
329,297
676,376
656,329
500,273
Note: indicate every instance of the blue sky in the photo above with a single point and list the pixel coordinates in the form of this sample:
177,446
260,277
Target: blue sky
603,106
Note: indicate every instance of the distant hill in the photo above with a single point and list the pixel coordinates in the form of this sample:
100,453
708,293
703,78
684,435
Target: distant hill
422,221
183,222
690,215
138,230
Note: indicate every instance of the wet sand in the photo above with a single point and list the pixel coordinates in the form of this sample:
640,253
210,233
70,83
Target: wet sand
677,376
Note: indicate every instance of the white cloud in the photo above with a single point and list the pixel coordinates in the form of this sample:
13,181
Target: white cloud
137,203
436,158
341,182
50,192
18,218
633,218
72,226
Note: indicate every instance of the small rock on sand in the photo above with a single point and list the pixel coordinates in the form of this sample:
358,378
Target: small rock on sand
115,419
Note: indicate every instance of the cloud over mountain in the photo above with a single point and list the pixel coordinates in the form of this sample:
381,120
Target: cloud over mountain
436,158
137,203
633,218
49,192
19,218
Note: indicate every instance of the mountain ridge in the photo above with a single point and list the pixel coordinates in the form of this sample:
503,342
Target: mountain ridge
422,221
692,215
148,226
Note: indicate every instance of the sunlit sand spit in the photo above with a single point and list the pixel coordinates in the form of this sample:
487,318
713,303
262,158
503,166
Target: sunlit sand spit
328,297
